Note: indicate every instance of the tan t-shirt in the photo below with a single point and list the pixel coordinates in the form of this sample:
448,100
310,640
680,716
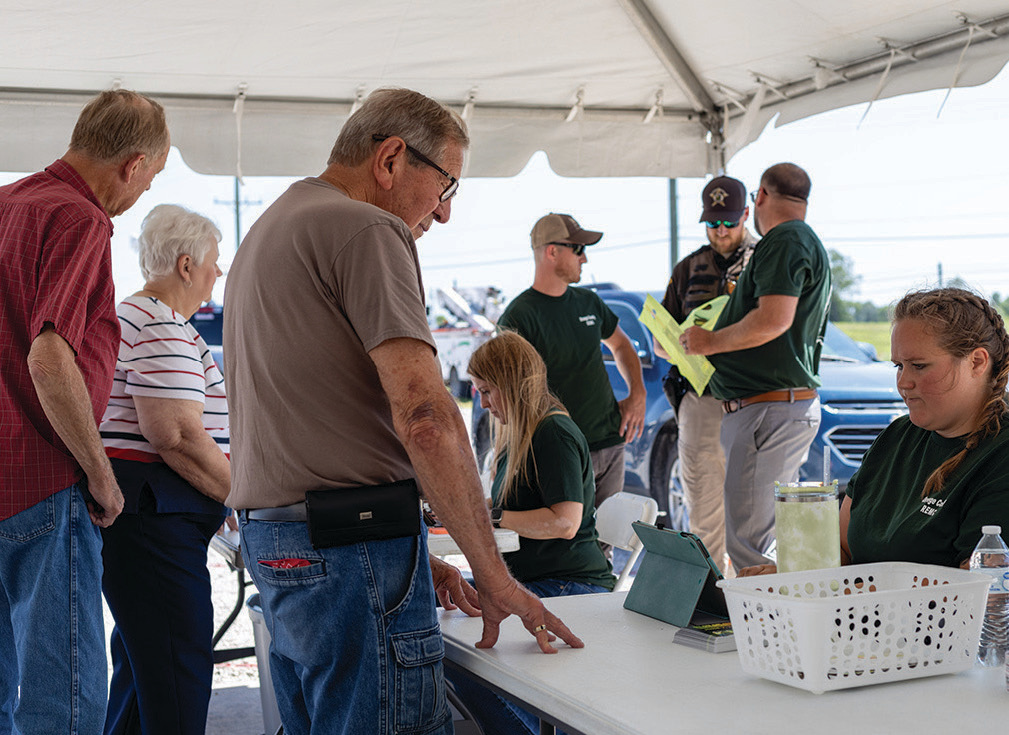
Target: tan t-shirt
319,281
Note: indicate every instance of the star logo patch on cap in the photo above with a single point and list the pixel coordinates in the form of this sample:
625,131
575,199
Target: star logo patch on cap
718,197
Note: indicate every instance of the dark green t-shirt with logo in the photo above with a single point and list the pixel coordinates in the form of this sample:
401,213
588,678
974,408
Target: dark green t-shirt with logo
559,470
566,331
789,261
890,521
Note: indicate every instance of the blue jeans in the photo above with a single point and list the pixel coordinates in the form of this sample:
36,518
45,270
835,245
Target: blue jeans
52,634
356,645
495,714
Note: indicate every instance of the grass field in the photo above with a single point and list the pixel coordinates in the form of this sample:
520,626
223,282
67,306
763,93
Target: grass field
875,333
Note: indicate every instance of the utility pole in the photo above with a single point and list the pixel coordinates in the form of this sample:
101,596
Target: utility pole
238,203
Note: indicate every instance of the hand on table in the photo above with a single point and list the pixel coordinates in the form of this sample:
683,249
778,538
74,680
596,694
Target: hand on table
514,599
758,569
454,592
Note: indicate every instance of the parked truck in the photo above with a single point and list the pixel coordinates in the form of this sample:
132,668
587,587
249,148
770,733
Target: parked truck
458,327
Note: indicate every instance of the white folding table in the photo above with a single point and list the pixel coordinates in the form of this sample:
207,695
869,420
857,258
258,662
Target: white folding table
631,679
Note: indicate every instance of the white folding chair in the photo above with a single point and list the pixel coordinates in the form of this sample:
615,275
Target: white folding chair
613,524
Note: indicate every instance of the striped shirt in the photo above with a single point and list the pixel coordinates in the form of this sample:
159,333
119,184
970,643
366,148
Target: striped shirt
161,355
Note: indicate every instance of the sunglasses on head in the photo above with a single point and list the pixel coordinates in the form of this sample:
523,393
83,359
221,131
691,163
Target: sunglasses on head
576,249
713,225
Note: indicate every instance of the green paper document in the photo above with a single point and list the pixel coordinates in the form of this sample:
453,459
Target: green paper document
697,369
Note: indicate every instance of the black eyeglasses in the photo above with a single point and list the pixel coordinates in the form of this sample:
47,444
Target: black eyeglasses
453,182
577,249
753,195
714,225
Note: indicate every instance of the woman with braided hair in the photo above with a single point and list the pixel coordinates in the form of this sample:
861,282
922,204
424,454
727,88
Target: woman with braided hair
934,477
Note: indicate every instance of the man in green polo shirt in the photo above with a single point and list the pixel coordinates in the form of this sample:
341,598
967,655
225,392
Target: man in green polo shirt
566,324
766,352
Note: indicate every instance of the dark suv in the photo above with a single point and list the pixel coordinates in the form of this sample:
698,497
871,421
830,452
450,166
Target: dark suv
858,400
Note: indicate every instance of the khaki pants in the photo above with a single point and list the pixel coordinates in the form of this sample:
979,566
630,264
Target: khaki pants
608,468
702,467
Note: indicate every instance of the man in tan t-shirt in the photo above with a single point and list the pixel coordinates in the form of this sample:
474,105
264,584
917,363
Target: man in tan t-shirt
334,384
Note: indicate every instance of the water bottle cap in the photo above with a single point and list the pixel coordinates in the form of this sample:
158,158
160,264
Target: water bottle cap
991,530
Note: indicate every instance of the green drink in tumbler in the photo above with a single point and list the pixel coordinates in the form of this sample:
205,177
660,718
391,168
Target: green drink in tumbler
806,524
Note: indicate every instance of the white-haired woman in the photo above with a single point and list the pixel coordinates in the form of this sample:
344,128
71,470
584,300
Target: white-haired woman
166,433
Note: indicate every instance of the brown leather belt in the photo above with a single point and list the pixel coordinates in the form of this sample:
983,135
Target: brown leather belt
791,395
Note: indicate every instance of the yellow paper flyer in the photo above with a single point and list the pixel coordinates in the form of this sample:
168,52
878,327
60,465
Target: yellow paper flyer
697,369
706,314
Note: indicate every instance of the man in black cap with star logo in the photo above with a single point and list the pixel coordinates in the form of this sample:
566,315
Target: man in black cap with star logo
708,272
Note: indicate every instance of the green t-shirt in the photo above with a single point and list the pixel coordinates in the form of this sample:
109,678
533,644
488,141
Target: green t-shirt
559,470
891,522
566,331
788,261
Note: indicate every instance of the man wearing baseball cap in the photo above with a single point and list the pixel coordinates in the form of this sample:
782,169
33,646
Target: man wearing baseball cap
566,324
766,352
709,271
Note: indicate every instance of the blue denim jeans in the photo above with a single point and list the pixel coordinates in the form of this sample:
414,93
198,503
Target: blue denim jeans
52,634
356,645
495,714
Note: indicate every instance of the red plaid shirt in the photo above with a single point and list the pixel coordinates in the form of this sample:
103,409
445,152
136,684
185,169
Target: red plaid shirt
55,267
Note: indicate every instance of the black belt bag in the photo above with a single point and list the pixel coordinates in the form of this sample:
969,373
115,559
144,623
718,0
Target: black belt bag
339,517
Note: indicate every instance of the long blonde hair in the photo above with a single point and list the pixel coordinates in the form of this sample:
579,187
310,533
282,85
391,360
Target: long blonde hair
515,368
961,322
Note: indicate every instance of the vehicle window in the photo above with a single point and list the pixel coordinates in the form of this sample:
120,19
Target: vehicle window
839,346
635,330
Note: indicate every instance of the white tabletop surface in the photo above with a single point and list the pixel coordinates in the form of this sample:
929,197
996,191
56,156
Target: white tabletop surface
631,679
441,544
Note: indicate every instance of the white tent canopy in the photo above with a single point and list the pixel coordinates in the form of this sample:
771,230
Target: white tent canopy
605,87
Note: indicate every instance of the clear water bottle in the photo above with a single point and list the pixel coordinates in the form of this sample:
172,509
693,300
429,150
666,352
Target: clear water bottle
991,556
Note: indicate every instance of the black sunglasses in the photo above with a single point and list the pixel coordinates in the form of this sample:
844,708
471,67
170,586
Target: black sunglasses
714,225
453,182
578,250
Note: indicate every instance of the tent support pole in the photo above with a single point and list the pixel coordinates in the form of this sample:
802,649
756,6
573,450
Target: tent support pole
674,227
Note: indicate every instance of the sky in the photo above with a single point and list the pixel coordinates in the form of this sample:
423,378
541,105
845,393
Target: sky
902,195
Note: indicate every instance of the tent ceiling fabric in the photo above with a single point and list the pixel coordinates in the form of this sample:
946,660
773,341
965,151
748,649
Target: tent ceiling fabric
605,87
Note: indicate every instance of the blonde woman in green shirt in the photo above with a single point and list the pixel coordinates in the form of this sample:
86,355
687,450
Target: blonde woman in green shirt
543,490
543,482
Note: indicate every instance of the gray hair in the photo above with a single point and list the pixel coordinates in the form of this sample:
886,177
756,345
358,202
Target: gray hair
169,232
423,123
119,123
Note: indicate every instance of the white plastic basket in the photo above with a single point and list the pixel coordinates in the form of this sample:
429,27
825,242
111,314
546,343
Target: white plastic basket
864,624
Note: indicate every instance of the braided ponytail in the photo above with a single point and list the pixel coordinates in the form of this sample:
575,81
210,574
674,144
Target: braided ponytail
962,321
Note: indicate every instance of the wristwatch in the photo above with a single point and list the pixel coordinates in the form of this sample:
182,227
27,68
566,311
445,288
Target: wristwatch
495,517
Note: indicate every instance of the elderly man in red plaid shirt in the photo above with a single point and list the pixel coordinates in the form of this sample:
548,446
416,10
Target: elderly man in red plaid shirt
59,337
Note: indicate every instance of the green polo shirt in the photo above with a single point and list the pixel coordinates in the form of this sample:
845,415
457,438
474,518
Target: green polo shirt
789,261
559,470
890,521
566,331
